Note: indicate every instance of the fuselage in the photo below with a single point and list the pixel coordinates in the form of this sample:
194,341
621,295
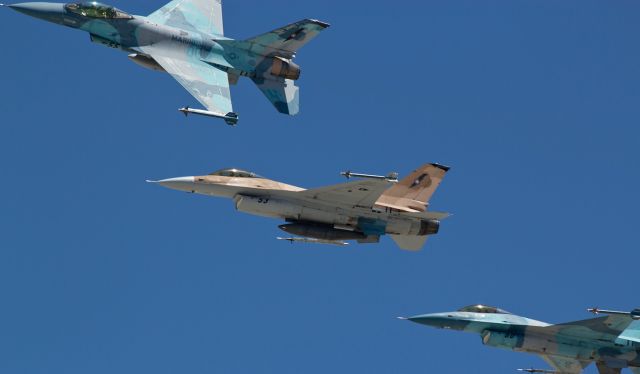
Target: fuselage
508,331
265,197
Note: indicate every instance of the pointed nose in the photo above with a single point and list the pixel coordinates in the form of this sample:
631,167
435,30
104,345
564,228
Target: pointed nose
439,320
427,319
47,11
180,184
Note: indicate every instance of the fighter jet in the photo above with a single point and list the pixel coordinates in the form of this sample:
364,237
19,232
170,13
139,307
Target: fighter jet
185,39
612,341
361,210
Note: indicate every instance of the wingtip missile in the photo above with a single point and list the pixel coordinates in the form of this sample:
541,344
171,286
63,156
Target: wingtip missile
391,177
634,314
532,370
230,118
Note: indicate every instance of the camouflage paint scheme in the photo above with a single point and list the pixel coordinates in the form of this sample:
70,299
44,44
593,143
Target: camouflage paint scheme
612,342
357,210
185,38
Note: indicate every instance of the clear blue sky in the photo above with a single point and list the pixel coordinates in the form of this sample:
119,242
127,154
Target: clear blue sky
534,105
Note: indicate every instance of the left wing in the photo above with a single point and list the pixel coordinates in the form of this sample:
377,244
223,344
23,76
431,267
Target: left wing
209,85
565,365
362,193
191,15
603,328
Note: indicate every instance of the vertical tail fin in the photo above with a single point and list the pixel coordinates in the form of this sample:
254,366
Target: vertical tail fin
285,41
413,192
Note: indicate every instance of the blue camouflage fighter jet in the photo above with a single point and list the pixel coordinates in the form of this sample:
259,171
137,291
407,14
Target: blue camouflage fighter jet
185,39
611,341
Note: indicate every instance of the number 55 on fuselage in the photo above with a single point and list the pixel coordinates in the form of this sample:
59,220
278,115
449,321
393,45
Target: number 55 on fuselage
185,39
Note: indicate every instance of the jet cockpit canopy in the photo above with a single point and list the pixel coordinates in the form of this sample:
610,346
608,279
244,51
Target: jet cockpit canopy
479,308
236,173
95,9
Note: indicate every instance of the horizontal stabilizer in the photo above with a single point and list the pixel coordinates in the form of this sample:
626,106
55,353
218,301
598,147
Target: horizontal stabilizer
282,93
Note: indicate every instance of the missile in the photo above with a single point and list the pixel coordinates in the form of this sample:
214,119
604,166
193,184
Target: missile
316,241
538,371
230,118
391,177
634,314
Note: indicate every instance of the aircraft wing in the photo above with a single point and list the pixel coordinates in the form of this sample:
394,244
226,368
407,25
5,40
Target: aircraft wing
361,193
191,15
606,328
564,365
209,85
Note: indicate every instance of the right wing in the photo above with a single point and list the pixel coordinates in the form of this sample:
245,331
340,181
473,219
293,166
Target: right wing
209,85
361,193
565,365
191,15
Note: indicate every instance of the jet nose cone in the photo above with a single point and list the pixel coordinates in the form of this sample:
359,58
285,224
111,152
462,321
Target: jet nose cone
47,11
423,318
438,320
181,183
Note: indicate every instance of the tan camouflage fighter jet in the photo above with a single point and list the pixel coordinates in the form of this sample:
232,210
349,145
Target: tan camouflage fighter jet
361,210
